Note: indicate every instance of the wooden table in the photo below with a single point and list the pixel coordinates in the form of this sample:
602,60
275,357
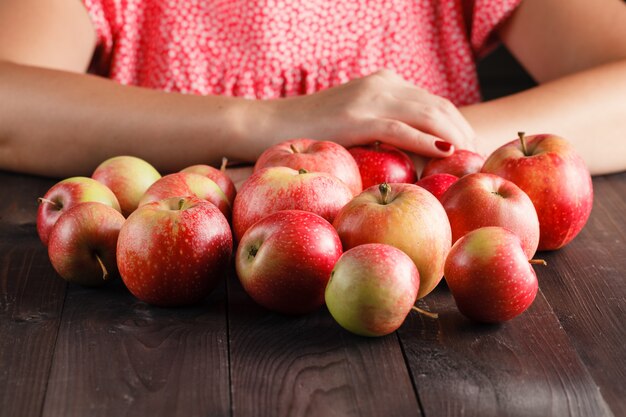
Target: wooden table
71,351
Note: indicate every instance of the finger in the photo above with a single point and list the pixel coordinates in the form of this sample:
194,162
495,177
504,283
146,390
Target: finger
428,119
436,104
451,110
401,135
439,113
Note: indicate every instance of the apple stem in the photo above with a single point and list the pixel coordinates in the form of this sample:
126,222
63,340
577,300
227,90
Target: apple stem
42,200
293,148
377,145
426,313
537,262
302,171
522,140
105,273
224,163
181,203
384,189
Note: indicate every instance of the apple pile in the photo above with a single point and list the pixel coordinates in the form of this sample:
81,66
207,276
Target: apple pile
318,224
168,237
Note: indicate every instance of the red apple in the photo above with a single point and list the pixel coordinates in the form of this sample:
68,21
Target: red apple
459,164
185,184
480,200
314,156
402,215
66,194
281,188
379,162
83,241
490,276
284,261
218,176
173,252
555,178
128,177
372,289
437,184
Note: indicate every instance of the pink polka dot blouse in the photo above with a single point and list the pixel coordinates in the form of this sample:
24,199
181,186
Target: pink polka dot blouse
276,48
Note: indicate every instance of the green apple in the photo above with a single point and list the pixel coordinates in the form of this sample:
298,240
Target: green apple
372,289
128,177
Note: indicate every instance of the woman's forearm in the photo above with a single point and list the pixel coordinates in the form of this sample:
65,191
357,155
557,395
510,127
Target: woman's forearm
587,108
60,123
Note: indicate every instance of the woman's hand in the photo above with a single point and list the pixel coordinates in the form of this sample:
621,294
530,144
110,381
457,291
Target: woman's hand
382,106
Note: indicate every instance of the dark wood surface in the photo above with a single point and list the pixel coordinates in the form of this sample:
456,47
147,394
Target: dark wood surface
71,351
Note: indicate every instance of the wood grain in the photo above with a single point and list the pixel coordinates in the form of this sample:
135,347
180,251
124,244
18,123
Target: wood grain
67,350
586,288
116,356
31,300
309,366
525,367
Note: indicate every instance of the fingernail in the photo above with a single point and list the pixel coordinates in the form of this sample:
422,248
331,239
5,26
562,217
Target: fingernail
443,146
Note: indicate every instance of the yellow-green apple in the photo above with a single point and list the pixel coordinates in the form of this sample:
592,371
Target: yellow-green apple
185,184
281,188
481,200
66,194
83,242
402,215
128,177
490,276
284,261
314,156
437,184
372,289
173,252
555,178
218,176
460,163
379,162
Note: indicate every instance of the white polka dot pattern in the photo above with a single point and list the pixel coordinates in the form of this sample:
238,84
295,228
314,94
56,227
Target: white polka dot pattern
277,48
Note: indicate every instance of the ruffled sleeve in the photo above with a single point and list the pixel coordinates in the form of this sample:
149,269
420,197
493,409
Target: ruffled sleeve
487,16
103,14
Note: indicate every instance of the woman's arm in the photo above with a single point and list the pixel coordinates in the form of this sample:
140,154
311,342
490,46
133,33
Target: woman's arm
576,51
55,120
60,123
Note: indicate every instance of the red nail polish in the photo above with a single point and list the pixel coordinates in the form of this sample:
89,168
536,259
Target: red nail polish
443,146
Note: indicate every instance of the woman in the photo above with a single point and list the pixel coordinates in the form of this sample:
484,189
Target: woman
409,65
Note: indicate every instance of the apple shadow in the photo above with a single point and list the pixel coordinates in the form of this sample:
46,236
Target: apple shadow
463,325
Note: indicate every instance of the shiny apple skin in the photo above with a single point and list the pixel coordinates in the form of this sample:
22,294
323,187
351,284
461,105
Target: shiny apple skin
185,184
489,275
66,194
462,162
174,252
412,220
380,162
314,156
555,178
481,200
284,261
128,177
372,289
281,188
83,233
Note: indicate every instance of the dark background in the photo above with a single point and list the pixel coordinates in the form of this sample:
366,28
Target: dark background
501,75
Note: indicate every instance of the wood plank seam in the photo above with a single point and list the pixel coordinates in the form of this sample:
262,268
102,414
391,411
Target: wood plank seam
411,377
56,339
